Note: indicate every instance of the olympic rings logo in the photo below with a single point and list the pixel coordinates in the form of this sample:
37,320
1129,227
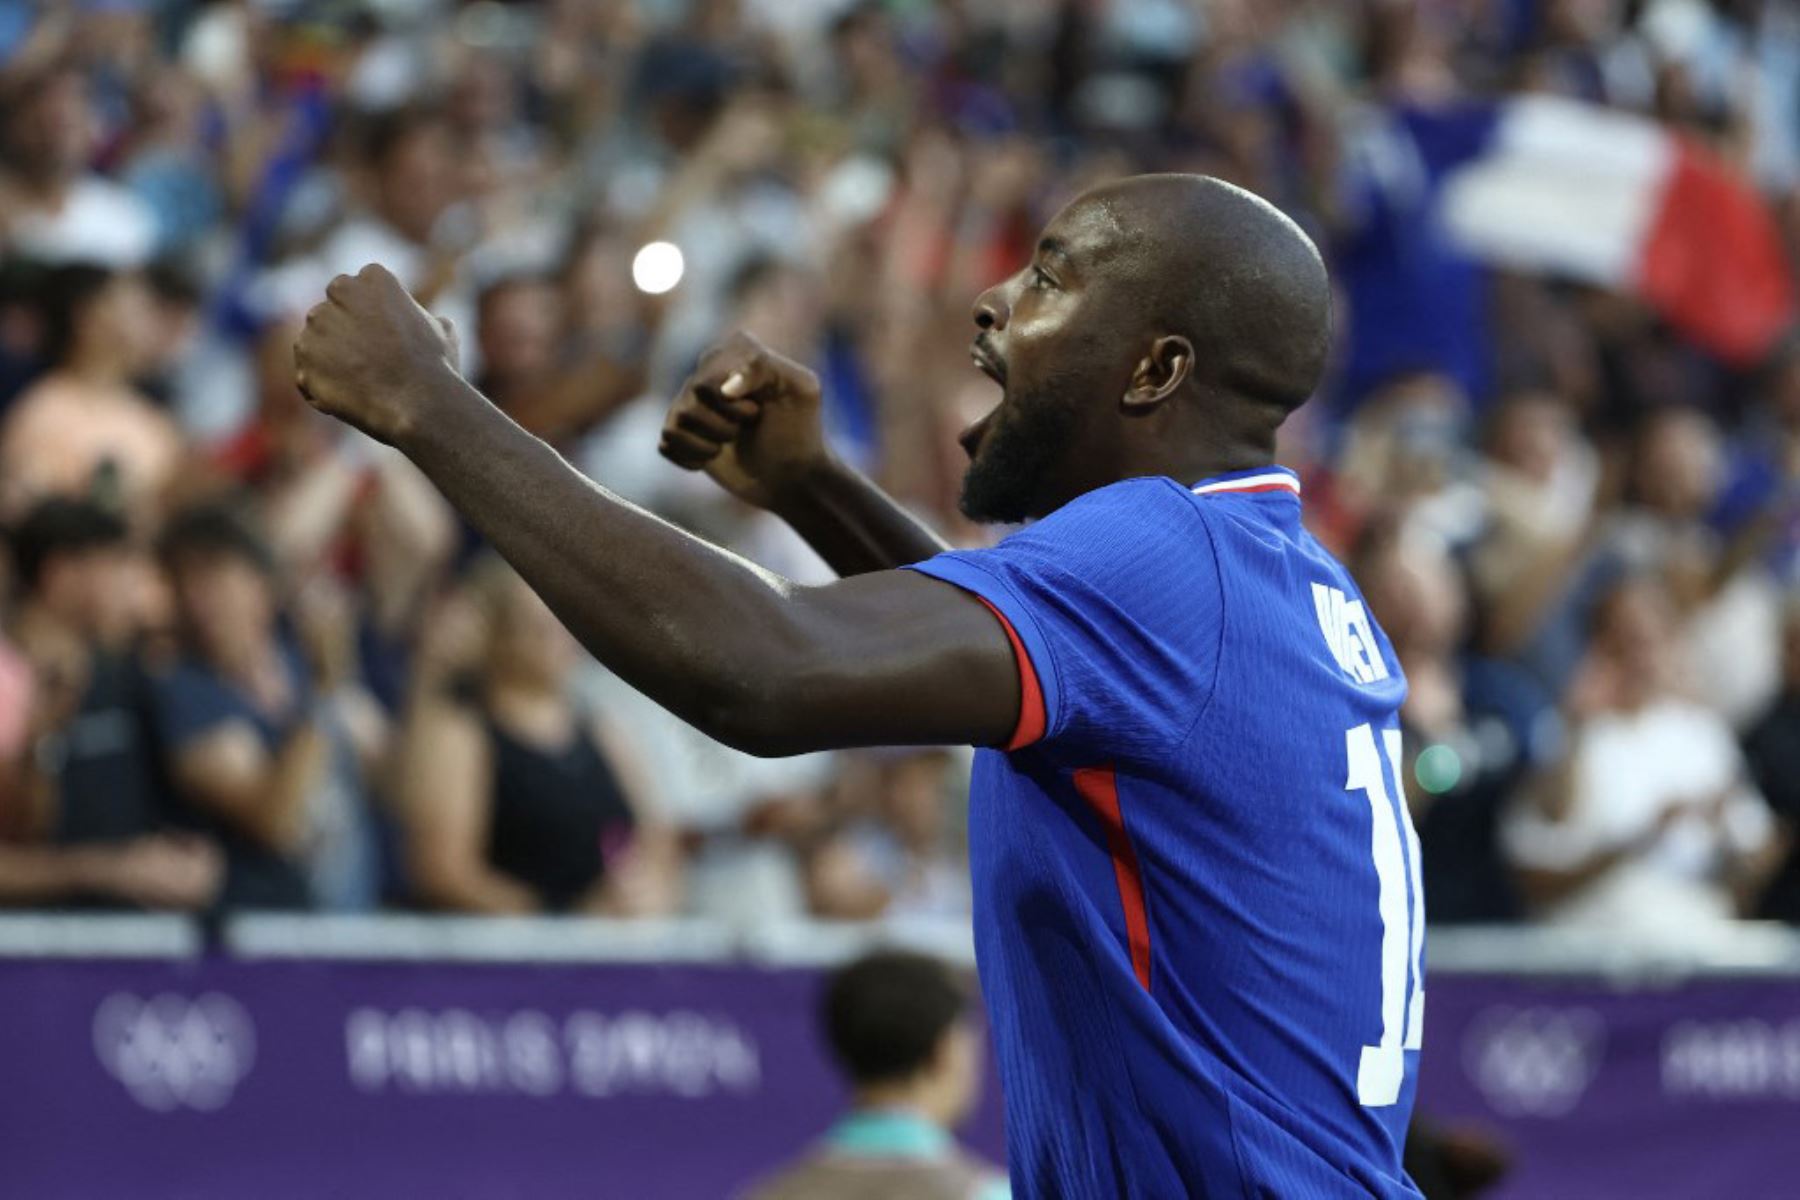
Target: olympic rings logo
1534,1061
171,1052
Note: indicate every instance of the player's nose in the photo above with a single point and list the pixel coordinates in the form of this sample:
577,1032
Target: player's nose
991,311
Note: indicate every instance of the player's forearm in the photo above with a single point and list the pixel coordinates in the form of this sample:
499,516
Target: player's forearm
854,525
699,630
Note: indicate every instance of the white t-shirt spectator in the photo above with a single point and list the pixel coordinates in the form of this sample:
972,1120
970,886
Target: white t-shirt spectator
1630,770
99,222
293,287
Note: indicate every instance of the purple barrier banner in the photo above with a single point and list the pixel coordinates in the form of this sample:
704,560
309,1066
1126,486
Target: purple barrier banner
464,1082
270,1080
1690,1091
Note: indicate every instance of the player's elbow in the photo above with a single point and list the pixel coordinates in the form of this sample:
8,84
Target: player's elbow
760,713
777,685
750,718
765,744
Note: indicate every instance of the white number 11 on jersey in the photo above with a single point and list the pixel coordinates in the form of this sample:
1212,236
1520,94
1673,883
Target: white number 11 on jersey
1382,1068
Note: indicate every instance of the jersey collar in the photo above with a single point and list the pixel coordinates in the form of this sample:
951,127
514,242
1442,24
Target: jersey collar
1271,478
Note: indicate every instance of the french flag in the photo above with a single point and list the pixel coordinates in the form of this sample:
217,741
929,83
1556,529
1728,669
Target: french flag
1545,184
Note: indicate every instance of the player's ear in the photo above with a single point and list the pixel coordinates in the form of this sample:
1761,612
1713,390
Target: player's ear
1159,373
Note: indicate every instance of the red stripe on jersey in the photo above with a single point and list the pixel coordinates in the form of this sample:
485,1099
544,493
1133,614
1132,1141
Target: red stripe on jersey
1031,697
1099,786
1261,487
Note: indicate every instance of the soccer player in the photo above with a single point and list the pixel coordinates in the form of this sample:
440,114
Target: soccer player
1197,915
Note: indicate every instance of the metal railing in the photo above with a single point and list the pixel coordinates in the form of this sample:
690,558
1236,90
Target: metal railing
1745,949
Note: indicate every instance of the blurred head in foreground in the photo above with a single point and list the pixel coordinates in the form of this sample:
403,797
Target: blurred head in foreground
899,1026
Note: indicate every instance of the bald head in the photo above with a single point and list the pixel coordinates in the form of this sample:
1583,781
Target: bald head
1165,325
1232,273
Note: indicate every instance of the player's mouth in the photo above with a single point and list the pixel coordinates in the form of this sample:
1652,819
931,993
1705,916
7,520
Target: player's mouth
991,365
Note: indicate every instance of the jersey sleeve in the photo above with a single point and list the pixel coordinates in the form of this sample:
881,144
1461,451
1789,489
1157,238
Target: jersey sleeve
1113,605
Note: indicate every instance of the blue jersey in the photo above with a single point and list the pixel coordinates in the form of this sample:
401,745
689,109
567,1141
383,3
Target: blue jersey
1198,919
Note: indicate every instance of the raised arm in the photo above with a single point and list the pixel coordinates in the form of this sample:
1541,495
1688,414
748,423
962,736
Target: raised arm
750,419
748,657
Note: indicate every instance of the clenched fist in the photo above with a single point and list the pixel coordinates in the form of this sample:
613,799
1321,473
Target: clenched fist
749,418
372,357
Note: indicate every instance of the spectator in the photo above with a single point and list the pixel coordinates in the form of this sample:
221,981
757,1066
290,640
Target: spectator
258,761
85,790
1772,749
744,822
409,185
605,313
336,505
899,1026
167,165
1475,729
1672,475
842,178
898,858
53,208
521,328
1540,484
406,185
1404,459
1649,826
83,429
519,323
514,797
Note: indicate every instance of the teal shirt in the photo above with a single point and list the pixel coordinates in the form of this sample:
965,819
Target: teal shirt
895,1133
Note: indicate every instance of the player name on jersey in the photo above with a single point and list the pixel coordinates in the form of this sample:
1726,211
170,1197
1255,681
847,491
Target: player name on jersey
1345,624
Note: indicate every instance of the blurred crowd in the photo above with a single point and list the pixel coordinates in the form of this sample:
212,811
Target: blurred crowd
251,659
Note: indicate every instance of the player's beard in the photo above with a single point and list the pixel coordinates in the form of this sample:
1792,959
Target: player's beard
1006,479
